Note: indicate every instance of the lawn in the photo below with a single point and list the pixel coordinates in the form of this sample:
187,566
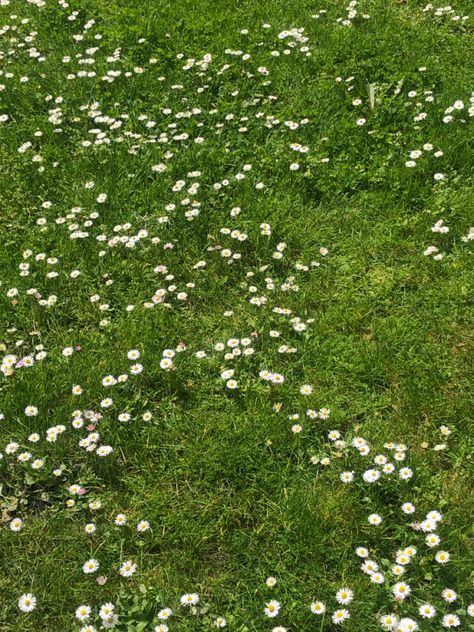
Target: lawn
236,313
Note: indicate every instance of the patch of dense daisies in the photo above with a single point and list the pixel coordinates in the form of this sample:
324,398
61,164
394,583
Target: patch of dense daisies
164,139
81,420
446,11
108,615
401,590
441,228
392,576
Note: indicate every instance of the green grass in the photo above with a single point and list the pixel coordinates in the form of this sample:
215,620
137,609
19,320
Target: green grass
233,496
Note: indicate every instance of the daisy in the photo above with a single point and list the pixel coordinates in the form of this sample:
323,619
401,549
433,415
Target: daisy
374,519
110,621
106,610
16,524
377,578
189,599
347,477
90,566
272,608
397,569
449,595
143,526
402,559
120,520
442,557
401,590
104,450
344,596
317,607
450,621
428,525
127,569
27,602
166,363
165,614
339,616
83,612
369,566
427,611
405,473
388,621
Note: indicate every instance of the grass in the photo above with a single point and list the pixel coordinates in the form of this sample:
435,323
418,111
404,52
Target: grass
232,493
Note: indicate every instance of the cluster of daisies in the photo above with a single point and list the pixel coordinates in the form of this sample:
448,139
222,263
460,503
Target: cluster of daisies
12,361
416,154
444,11
404,560
352,13
343,597
441,228
107,617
